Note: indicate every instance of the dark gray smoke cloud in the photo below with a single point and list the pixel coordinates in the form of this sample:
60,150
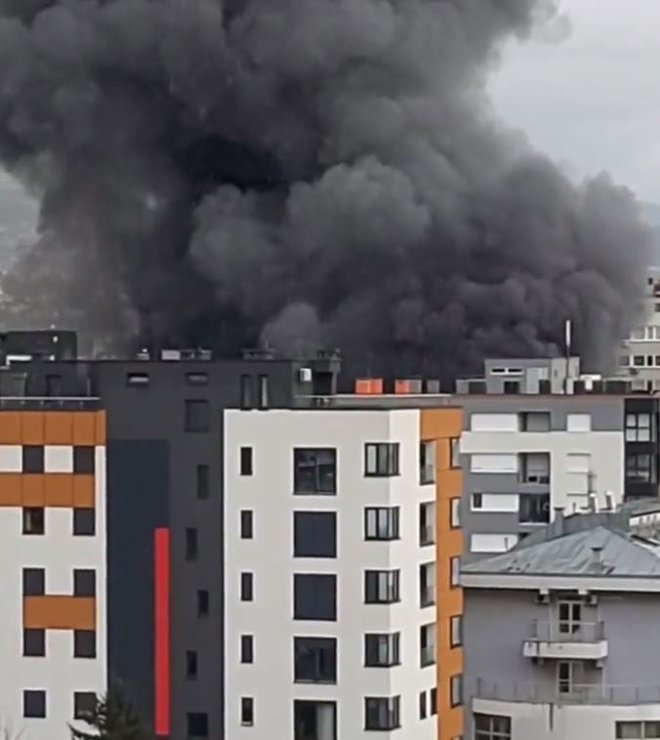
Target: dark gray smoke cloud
302,172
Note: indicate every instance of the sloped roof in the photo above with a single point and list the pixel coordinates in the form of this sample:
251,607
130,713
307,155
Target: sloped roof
600,551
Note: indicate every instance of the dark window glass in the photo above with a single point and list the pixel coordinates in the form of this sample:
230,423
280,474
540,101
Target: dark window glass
382,713
315,597
381,523
34,704
246,461
197,415
641,467
84,582
33,520
197,379
203,603
84,522
247,711
381,459
198,724
33,459
84,644
203,488
315,659
34,581
192,545
427,584
381,651
314,720
247,525
381,586
34,643
314,534
427,524
247,587
247,649
246,391
191,665
498,727
84,705
511,387
427,644
83,460
434,701
427,462
534,508
315,470
422,705
263,391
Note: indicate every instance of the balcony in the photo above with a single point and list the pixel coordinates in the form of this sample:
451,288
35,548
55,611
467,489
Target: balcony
566,641
533,693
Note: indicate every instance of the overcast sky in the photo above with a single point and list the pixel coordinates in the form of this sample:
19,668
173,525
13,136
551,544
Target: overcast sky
592,100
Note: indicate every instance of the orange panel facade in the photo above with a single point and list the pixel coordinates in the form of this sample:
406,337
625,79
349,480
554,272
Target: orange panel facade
59,613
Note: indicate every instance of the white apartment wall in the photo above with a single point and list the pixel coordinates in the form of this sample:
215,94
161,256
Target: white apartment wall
269,493
58,673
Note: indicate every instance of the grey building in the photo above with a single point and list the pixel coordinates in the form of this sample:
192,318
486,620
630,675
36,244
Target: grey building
562,635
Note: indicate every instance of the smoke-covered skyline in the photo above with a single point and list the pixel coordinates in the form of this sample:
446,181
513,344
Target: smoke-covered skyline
305,172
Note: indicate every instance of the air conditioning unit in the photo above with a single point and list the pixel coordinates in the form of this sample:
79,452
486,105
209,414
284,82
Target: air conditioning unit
305,375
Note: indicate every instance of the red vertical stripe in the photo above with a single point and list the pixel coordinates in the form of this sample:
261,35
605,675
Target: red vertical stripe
162,631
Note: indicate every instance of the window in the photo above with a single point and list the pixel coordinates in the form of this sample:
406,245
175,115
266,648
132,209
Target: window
569,617
33,459
427,458
381,459
315,471
246,461
192,545
492,727
315,597
137,380
314,534
34,704
34,581
314,720
197,415
33,520
427,584
197,379
191,665
569,676
644,729
381,586
202,481
246,391
456,690
247,649
422,704
477,501
84,522
456,631
381,523
454,572
315,659
197,724
511,387
638,360
381,651
455,513
534,509
427,644
247,587
84,705
427,524
34,643
203,603
382,713
535,421
639,468
84,582
638,428
247,711
83,460
263,391
433,696
247,525
535,467
84,644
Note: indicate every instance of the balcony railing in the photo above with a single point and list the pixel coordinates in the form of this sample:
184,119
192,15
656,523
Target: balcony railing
531,693
558,631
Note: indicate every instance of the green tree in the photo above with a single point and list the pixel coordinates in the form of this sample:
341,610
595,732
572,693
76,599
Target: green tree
113,718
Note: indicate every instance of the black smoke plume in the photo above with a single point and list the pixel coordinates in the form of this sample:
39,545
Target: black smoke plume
302,172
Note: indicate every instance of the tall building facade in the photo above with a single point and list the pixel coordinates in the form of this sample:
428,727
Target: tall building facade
562,635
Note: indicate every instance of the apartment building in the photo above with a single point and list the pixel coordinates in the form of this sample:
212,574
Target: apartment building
538,440
53,627
563,635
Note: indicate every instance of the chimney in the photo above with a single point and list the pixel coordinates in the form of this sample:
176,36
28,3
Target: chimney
559,520
597,555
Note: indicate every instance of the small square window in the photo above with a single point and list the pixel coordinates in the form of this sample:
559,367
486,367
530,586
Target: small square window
198,725
33,459
202,479
247,587
247,525
197,415
34,643
84,582
83,460
33,520
247,649
84,705
247,711
84,522
203,604
34,704
192,545
246,461
84,644
191,665
34,581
